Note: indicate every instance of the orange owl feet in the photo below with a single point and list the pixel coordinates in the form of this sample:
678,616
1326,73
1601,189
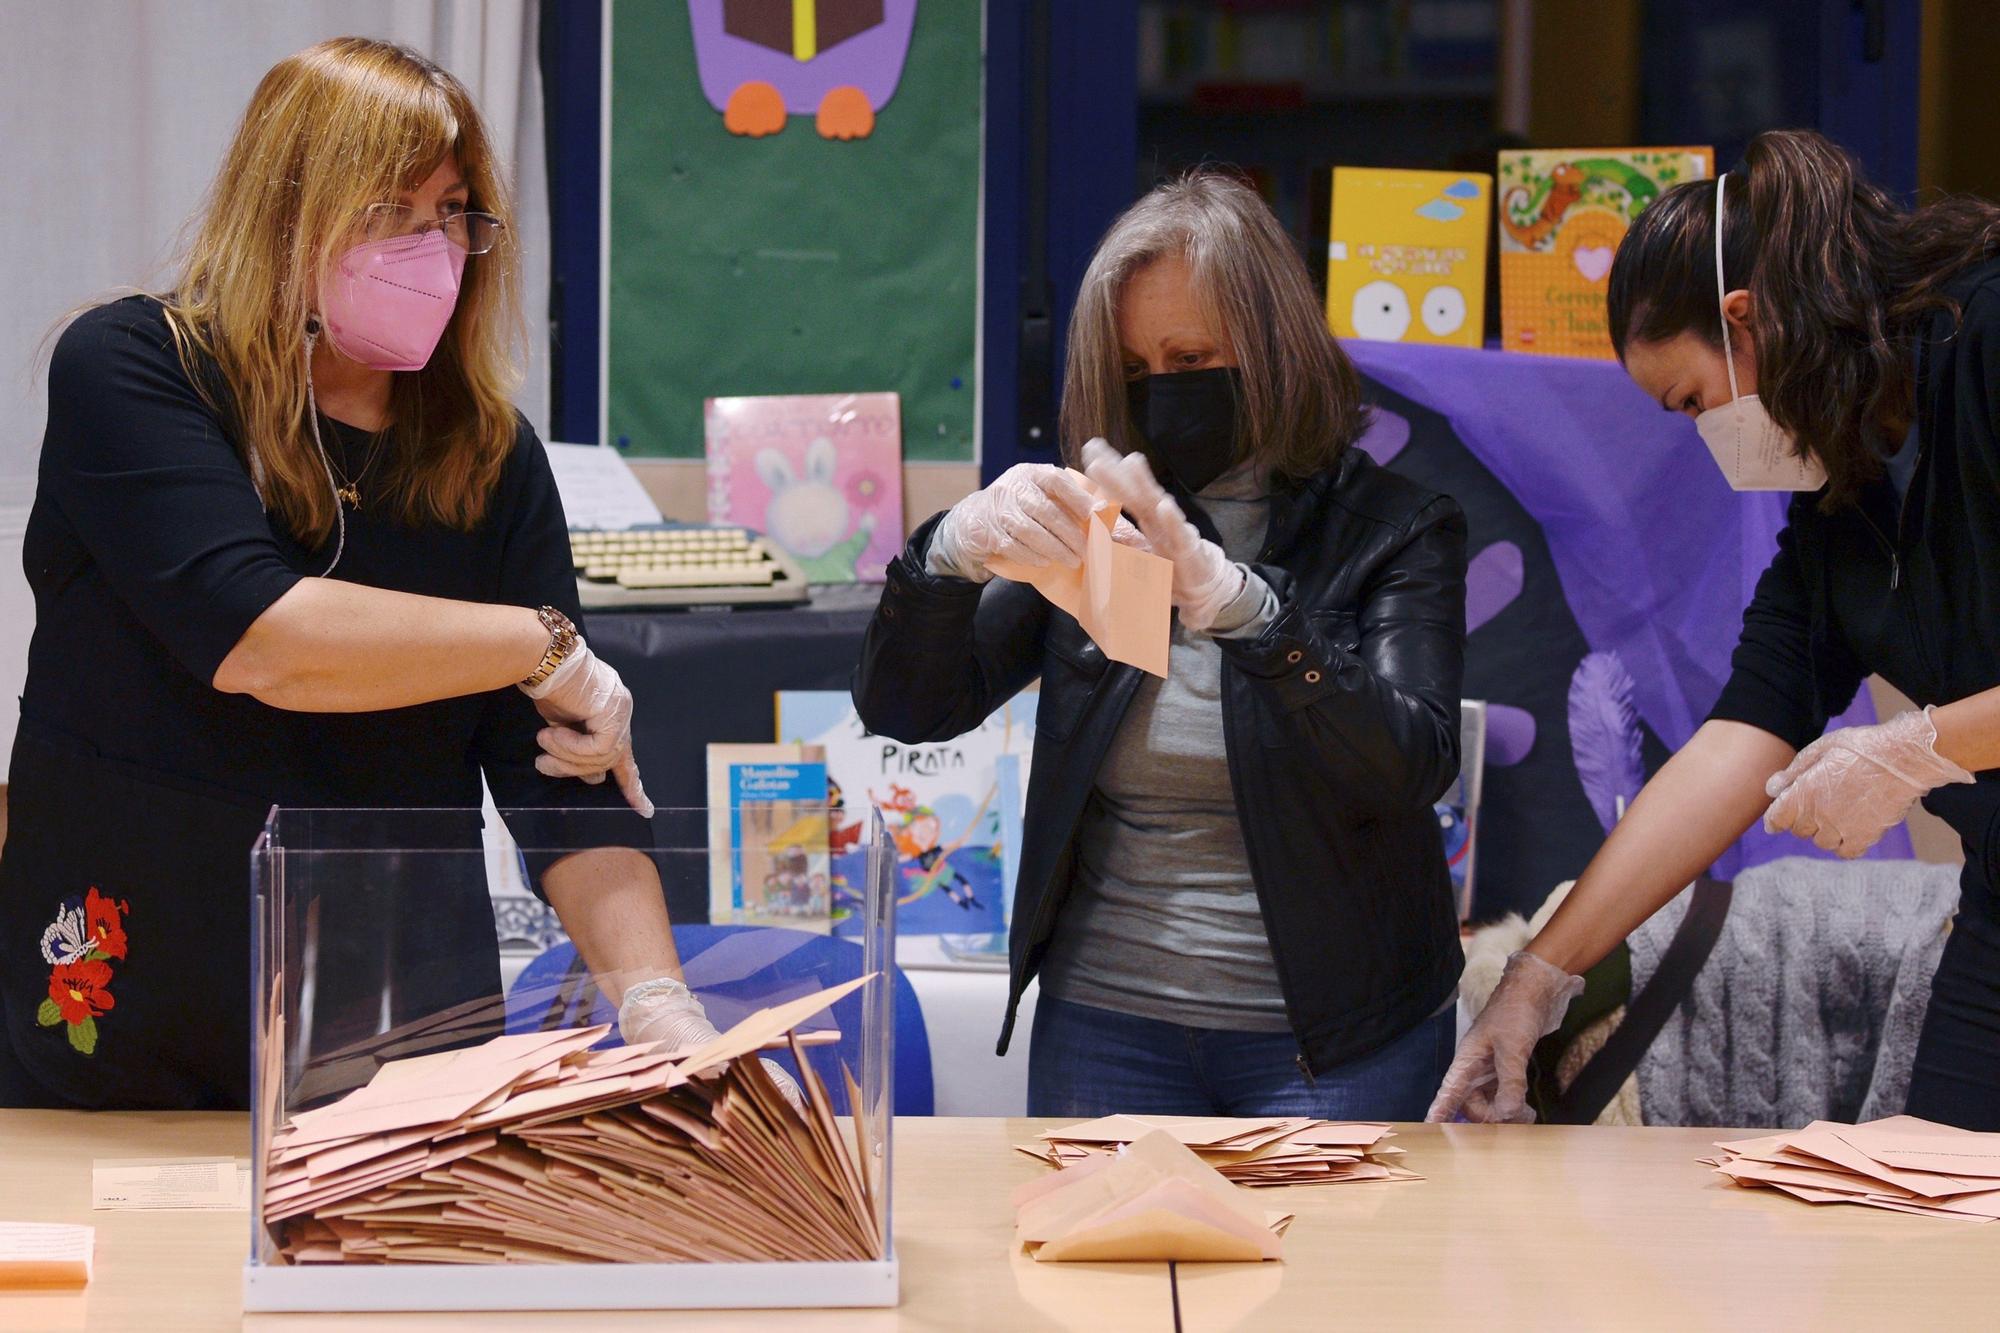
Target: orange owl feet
844,113
757,109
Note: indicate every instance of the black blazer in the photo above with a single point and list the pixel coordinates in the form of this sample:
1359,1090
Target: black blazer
1341,723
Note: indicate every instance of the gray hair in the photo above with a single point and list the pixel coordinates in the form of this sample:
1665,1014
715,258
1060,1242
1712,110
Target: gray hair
1302,403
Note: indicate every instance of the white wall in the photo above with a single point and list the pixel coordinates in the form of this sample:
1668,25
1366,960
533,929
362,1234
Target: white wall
113,117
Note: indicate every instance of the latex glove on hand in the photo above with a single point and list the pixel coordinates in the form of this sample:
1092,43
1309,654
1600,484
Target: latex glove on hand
1206,580
1851,786
1033,514
1488,1078
590,732
662,1009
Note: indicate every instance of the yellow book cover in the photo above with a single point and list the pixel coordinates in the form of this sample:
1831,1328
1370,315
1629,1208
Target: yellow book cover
1562,213
1406,255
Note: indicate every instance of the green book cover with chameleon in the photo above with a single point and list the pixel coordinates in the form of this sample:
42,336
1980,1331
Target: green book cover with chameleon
1562,213
821,475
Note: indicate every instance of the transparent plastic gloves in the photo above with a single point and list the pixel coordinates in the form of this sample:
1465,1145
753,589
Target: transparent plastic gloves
584,692
1488,1078
663,1009
1033,514
1851,786
1206,580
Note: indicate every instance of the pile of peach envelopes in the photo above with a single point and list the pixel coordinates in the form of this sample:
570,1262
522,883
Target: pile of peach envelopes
534,1148
1271,1151
1904,1164
1154,1201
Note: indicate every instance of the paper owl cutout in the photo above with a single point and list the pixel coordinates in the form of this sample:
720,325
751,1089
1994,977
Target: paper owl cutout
763,61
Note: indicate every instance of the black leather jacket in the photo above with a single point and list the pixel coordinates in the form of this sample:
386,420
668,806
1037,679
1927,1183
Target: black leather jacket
1341,724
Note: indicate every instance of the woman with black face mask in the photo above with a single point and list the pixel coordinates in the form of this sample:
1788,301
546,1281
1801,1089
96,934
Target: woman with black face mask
1230,881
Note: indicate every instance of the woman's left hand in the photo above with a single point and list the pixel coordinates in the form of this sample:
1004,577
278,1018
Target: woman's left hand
1849,787
590,712
1205,579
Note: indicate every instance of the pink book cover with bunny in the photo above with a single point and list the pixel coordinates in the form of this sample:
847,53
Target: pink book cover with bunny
821,475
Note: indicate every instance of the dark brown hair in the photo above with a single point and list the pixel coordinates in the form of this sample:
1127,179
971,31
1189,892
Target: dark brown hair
1840,276
1302,398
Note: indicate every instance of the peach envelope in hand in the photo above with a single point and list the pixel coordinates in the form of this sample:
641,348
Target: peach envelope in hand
1123,598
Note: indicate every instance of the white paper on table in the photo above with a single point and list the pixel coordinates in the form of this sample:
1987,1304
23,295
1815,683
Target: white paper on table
45,1254
598,488
190,1182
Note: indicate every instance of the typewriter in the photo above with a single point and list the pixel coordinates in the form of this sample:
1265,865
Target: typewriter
681,565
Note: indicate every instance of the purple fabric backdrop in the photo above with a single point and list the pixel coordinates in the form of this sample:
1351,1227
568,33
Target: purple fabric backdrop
1657,556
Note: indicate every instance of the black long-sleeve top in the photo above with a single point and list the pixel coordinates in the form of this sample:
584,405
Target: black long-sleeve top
1905,587
149,555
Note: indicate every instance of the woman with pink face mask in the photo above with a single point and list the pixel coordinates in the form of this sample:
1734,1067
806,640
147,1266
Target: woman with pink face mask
292,544
1828,342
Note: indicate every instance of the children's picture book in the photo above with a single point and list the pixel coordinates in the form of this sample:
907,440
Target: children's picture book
1458,808
1562,213
821,475
767,841
952,809
1406,255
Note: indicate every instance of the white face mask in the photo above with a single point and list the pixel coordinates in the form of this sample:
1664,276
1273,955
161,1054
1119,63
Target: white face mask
1753,451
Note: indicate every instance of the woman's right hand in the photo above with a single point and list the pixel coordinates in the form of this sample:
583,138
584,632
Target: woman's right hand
1488,1079
1033,514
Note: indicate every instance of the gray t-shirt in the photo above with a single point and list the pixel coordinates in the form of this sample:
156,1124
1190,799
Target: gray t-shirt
1162,919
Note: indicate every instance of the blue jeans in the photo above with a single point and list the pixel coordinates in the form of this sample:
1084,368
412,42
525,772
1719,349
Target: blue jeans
1086,1062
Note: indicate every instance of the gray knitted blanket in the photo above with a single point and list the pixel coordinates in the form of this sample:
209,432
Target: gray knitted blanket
1809,1007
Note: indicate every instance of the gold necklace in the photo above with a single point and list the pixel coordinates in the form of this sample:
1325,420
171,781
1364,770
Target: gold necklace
349,490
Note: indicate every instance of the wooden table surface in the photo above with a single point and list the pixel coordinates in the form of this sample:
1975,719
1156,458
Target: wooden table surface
1513,1227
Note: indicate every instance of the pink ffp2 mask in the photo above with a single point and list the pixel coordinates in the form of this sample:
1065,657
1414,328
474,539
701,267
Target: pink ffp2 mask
387,303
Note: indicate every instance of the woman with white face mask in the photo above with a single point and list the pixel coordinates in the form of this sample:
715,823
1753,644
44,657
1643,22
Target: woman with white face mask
292,544
1826,341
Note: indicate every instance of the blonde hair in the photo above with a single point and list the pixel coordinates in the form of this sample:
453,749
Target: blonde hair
329,131
1302,399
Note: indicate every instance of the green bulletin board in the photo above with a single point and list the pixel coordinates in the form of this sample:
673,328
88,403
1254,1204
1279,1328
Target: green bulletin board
792,263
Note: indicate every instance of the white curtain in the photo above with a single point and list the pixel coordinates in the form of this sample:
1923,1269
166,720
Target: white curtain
113,117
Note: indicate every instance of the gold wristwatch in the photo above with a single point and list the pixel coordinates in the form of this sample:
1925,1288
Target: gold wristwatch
563,640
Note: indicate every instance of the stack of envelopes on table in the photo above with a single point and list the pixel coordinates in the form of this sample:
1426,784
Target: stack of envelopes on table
1902,1163
536,1149
1272,1151
1156,1201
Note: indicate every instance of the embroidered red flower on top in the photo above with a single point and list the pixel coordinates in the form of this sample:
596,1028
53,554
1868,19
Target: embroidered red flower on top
104,924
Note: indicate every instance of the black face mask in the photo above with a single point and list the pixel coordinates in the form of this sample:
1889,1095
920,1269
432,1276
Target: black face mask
1188,421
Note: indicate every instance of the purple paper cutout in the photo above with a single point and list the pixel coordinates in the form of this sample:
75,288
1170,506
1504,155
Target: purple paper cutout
871,61
1604,738
1385,437
1510,734
1657,556
1492,582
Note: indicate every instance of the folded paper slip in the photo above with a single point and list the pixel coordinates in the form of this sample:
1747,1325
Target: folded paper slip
45,1254
568,1154
1256,1152
1901,1164
1152,1202
1123,598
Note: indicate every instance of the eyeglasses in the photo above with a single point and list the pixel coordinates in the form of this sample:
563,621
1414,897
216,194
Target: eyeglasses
474,233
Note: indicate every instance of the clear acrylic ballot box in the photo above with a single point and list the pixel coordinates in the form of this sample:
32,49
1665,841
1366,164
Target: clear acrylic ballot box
427,1138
